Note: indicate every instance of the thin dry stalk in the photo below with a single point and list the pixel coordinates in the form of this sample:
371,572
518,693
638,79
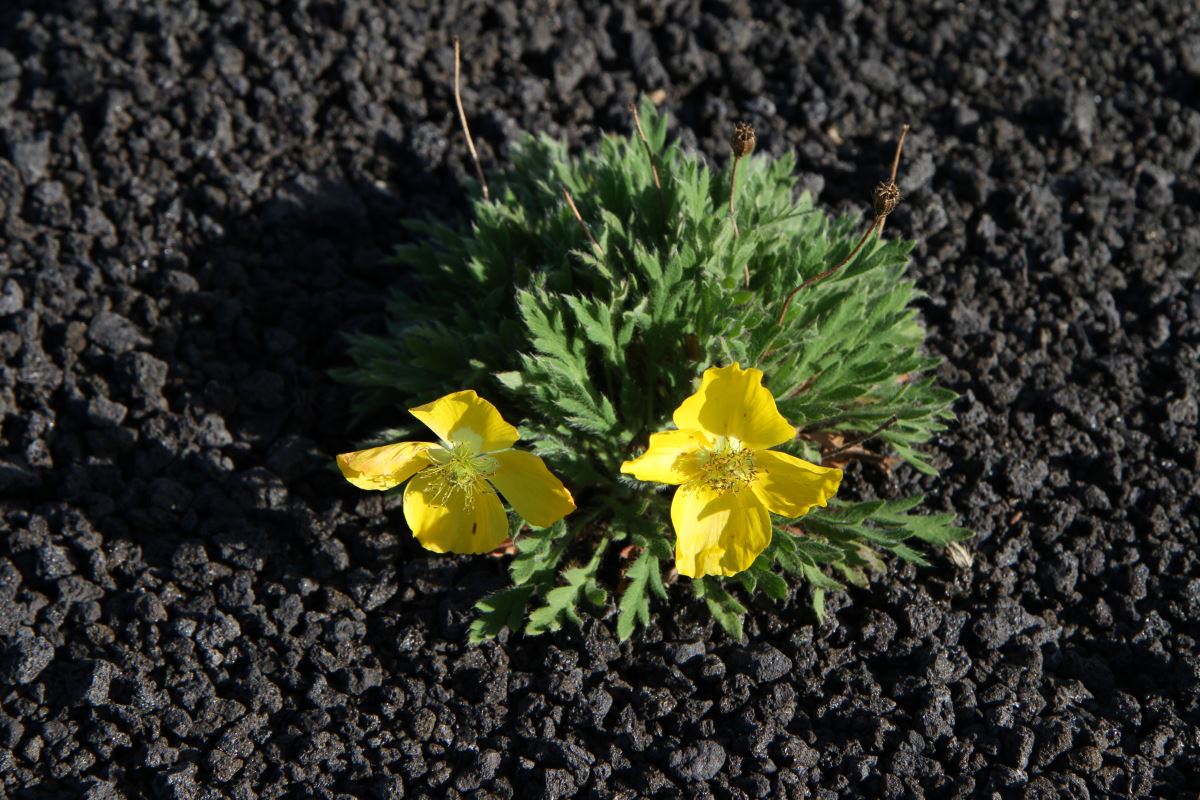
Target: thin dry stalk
860,439
579,218
822,276
741,144
637,122
733,218
886,198
462,117
732,194
899,148
895,168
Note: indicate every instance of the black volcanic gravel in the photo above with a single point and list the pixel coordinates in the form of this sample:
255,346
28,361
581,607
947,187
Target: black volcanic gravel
194,197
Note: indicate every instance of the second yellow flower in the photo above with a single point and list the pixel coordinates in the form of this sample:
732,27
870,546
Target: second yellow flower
728,477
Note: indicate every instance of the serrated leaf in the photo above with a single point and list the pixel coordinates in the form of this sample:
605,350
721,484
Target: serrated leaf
538,552
817,551
635,600
505,609
918,460
726,610
595,319
908,554
819,579
562,602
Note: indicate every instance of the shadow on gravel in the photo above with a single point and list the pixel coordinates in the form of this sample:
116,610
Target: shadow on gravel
226,415
187,466
196,446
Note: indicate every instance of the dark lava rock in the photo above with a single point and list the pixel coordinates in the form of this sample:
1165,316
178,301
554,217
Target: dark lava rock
49,204
699,762
24,657
31,158
93,682
142,377
115,333
763,662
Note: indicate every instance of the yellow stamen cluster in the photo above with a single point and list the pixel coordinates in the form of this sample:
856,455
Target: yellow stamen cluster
459,469
728,467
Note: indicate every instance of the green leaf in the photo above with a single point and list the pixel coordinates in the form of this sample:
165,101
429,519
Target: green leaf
819,579
853,575
818,603
562,602
727,611
908,554
538,551
918,460
511,379
817,551
774,586
596,321
643,576
505,609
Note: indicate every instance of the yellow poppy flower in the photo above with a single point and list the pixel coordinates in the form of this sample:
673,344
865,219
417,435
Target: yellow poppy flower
450,502
728,477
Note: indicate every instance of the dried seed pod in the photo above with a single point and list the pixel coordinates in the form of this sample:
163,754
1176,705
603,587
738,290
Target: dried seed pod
742,141
887,197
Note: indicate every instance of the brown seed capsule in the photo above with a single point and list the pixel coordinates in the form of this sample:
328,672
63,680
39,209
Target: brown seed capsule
742,142
887,197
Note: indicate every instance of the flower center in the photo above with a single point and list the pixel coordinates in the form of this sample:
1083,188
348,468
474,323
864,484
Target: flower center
727,467
458,468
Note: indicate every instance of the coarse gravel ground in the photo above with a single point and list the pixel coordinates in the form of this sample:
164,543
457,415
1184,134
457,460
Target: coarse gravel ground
194,196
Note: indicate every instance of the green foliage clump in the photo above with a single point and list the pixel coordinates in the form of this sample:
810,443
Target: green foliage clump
591,338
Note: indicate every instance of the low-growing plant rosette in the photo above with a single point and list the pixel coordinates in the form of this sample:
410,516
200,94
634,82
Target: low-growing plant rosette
596,299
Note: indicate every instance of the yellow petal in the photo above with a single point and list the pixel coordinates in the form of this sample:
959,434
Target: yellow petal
732,401
717,534
670,458
453,521
386,466
791,486
466,418
530,488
